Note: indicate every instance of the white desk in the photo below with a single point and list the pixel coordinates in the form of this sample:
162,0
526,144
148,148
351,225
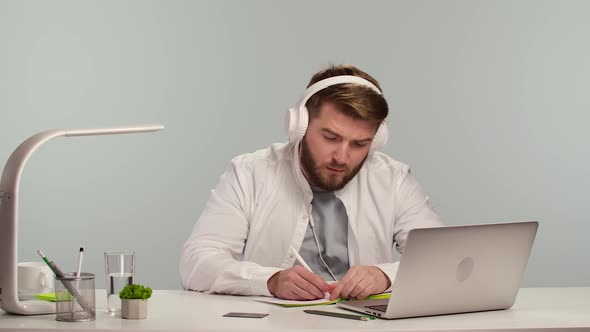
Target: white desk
536,309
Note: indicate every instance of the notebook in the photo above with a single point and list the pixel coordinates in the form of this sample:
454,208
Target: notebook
307,303
456,269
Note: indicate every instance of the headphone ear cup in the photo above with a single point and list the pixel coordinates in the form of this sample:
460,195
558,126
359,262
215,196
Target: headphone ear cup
380,138
296,121
288,122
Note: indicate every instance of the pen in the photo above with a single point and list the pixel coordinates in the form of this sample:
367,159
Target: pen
337,314
58,273
51,265
299,258
79,266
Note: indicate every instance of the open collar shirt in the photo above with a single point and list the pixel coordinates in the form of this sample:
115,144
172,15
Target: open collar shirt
261,207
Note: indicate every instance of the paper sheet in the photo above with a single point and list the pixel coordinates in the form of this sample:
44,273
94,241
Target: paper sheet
295,303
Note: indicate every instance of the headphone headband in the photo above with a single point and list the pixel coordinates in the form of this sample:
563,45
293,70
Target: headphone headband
320,85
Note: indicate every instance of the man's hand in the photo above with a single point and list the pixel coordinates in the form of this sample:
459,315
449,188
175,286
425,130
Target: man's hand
297,283
360,282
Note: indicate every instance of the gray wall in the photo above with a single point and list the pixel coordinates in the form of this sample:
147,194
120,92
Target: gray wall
490,106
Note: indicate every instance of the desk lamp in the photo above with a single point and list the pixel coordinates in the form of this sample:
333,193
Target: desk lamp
9,184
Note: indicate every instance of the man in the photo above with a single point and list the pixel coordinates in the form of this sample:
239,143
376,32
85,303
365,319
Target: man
327,195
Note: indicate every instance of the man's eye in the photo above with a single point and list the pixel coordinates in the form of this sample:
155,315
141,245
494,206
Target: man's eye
330,138
361,144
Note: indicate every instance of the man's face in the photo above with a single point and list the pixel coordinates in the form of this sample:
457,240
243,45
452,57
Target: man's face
334,148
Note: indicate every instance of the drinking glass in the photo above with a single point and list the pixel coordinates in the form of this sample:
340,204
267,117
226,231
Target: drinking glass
120,271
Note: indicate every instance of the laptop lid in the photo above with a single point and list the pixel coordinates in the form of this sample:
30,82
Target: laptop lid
457,269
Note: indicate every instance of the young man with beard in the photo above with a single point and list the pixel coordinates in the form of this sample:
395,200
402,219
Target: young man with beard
327,195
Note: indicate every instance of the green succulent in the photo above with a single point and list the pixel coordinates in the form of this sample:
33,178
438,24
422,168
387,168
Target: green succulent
133,291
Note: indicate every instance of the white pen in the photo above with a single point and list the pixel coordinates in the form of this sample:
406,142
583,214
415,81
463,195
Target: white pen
79,267
299,258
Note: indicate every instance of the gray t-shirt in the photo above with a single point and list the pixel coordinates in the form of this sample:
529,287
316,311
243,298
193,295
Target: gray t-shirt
331,227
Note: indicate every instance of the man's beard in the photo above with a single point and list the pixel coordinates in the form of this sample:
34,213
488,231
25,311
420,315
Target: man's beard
328,182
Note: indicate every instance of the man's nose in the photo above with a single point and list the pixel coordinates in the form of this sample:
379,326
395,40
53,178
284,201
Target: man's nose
340,155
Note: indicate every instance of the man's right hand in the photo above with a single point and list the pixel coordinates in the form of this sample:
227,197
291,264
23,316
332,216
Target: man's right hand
297,283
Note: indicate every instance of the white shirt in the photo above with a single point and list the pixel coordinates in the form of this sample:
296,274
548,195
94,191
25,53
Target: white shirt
262,206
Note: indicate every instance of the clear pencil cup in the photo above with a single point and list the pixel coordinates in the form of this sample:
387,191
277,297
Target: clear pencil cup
75,298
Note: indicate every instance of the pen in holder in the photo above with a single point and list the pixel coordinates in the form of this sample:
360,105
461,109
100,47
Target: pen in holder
75,304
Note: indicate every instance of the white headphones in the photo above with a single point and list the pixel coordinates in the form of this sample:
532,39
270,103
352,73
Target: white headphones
297,117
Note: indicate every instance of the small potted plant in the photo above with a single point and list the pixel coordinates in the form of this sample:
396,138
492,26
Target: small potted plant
134,301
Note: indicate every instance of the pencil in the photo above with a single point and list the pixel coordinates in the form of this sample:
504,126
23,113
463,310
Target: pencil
337,314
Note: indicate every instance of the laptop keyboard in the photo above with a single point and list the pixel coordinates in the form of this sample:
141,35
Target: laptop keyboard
381,307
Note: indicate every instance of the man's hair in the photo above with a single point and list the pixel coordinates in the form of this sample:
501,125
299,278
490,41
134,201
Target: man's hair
357,101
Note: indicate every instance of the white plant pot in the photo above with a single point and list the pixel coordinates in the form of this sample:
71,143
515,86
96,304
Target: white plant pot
134,309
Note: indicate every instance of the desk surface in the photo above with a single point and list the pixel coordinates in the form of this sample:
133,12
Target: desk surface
535,309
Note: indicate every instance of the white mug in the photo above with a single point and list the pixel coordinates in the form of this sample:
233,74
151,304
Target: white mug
33,278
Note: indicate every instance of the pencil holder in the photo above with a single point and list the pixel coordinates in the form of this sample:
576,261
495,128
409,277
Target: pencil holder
75,298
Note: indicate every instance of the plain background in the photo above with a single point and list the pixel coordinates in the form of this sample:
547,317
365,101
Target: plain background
489,104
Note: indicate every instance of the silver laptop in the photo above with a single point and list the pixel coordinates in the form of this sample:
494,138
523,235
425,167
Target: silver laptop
456,269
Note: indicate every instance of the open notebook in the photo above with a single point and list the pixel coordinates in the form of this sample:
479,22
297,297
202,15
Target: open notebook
306,303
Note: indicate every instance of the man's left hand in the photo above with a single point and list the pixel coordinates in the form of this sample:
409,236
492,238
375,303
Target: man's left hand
360,282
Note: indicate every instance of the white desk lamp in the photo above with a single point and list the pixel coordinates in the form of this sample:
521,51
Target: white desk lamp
9,183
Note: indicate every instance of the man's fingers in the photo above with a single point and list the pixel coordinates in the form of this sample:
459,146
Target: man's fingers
292,291
307,282
335,291
312,291
360,282
313,278
300,293
332,286
306,287
293,294
347,289
342,289
349,282
361,290
365,293
320,284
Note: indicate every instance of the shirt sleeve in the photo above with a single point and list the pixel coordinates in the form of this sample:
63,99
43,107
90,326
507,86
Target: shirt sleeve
390,270
413,210
210,258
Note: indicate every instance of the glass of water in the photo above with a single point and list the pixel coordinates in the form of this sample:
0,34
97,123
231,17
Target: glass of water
119,269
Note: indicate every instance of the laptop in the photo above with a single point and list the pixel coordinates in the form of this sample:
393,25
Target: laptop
456,269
